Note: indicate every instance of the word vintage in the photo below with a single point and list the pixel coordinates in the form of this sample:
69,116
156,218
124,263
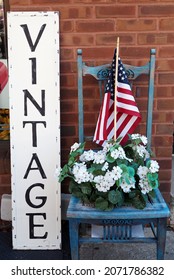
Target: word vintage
33,47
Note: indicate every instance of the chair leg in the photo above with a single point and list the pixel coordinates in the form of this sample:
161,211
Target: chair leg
161,237
74,239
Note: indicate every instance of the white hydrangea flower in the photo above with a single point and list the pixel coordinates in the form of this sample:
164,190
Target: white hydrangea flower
144,139
144,185
119,153
135,136
74,147
107,146
115,154
101,184
81,174
105,166
87,156
99,157
109,177
127,187
139,136
154,166
117,171
142,171
141,150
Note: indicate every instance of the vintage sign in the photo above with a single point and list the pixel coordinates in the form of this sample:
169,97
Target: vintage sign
33,50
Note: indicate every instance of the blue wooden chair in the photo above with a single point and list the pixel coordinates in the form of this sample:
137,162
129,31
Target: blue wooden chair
117,225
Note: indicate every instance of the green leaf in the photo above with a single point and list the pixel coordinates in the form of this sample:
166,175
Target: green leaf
132,194
71,161
96,169
74,189
155,184
101,203
115,196
138,201
110,159
85,198
79,151
131,171
152,194
86,188
110,207
152,176
64,173
124,168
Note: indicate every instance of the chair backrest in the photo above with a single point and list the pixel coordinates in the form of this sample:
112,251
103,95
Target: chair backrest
100,73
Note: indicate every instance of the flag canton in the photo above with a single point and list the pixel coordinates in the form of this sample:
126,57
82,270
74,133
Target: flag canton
122,77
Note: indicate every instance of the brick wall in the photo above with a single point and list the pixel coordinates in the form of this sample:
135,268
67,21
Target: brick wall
93,25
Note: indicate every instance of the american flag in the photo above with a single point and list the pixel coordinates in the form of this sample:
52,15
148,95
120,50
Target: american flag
128,115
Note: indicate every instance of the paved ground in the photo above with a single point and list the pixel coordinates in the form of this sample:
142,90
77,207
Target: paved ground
127,251
89,251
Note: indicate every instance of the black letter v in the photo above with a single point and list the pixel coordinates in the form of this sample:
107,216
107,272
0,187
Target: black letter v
27,34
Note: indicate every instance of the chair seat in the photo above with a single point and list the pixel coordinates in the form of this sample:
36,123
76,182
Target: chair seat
157,208
117,224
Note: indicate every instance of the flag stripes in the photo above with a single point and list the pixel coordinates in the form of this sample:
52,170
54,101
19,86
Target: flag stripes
128,115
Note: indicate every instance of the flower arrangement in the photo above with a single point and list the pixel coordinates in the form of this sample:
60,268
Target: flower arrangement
114,176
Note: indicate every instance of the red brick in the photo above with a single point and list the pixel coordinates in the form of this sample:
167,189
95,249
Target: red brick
143,1
69,106
165,187
90,118
165,164
156,10
166,24
92,1
94,26
66,54
68,67
77,39
166,78
165,65
5,189
155,38
68,94
162,116
5,179
165,175
69,118
28,8
134,52
136,25
68,131
166,52
164,153
164,129
40,2
18,2
107,39
114,11
167,104
67,80
66,26
163,141
74,12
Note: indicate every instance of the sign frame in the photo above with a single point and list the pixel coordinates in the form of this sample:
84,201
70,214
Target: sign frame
34,98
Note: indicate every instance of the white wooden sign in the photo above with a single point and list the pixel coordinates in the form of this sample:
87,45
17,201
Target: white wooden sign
33,50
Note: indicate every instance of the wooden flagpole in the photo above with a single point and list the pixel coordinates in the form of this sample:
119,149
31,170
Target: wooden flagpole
115,96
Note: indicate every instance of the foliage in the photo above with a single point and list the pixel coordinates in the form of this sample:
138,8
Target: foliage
114,176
